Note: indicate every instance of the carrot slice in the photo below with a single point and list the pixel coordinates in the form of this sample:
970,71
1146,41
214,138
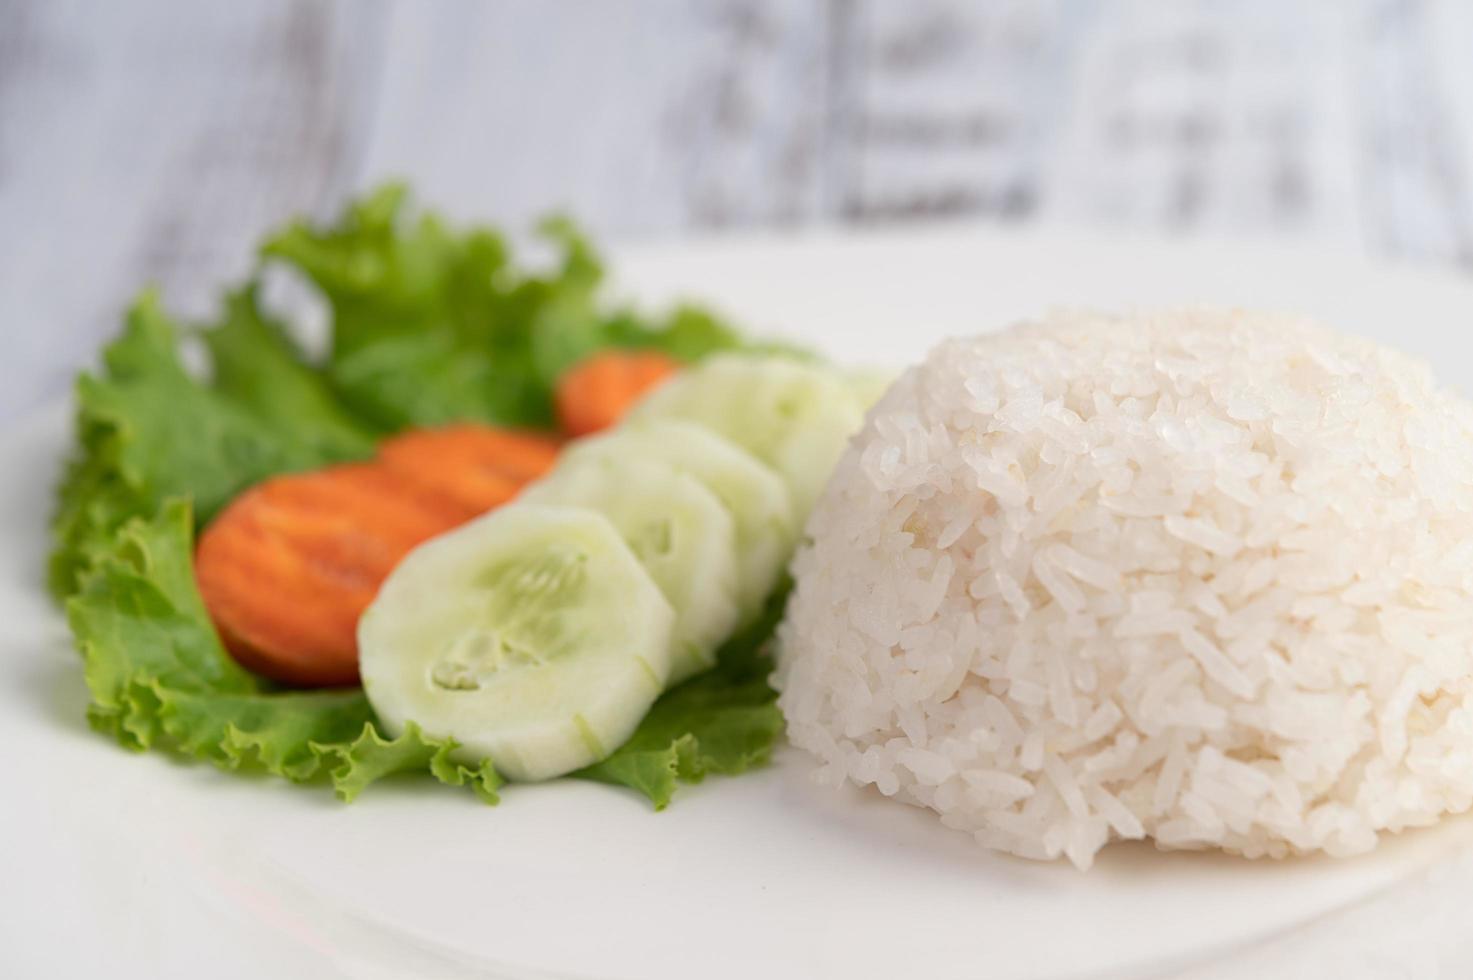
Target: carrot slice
289,566
595,393
471,467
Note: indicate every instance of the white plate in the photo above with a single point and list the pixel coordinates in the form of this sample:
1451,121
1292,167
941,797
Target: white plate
145,867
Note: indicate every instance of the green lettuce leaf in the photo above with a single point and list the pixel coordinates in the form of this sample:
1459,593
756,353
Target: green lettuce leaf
725,721
257,366
147,430
432,325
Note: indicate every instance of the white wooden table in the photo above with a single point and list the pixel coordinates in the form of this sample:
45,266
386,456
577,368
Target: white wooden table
156,139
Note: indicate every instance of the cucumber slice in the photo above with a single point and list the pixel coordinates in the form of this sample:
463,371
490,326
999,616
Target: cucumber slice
758,499
869,385
532,636
795,417
677,528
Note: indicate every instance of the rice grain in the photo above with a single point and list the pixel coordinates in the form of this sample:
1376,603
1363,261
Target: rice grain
1198,576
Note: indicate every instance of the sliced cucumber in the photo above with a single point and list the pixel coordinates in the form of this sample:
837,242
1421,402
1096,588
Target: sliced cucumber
532,636
869,385
795,417
758,499
677,528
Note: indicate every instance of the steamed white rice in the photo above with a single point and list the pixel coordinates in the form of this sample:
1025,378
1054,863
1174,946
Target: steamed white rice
1200,577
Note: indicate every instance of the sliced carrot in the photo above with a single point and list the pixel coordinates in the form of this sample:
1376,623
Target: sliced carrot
595,393
289,566
472,467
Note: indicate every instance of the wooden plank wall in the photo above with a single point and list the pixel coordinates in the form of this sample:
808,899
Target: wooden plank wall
155,140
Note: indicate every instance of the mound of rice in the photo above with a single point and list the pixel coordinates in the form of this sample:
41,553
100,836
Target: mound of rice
1201,577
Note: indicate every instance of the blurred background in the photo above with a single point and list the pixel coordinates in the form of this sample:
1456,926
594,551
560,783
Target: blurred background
157,140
